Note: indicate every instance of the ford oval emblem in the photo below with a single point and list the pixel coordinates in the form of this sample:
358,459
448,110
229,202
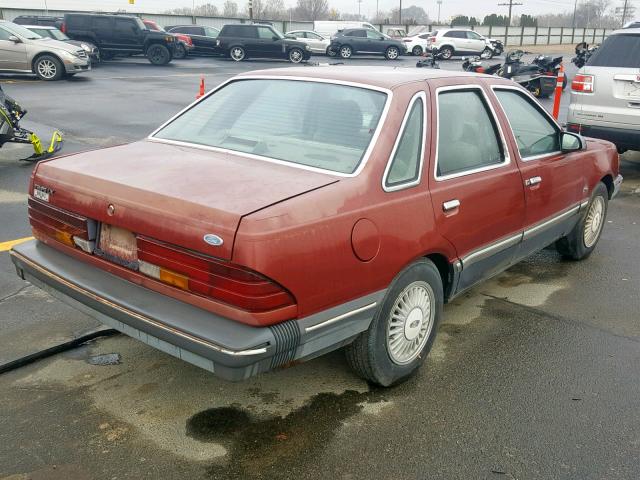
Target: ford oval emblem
212,239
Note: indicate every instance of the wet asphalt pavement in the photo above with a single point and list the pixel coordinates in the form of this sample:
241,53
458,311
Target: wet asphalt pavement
534,374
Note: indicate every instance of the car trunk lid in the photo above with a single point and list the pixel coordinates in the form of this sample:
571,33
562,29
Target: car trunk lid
172,193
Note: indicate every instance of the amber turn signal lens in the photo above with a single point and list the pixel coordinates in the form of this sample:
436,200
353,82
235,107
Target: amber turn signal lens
175,279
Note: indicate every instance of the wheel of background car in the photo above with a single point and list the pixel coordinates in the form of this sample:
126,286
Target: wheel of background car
296,55
403,329
582,240
446,53
417,50
330,53
237,53
392,53
48,67
346,51
158,54
180,51
486,54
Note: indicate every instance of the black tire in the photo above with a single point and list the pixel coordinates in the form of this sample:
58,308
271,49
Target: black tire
446,53
158,54
582,240
392,53
48,68
370,355
417,50
180,51
296,55
330,53
345,51
237,53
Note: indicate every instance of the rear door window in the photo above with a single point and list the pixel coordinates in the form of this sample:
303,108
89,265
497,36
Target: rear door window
102,23
618,51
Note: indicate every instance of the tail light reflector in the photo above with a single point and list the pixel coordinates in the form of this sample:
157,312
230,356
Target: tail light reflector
63,27
210,277
582,84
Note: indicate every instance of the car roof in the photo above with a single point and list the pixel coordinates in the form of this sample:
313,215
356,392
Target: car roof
381,77
627,31
41,27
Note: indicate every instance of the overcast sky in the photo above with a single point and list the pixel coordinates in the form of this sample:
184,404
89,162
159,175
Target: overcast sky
478,8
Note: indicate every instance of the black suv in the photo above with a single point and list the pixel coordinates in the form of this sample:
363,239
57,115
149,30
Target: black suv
253,40
365,41
120,35
40,20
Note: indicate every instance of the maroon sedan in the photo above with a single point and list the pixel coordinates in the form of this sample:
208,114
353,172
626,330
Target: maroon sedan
291,212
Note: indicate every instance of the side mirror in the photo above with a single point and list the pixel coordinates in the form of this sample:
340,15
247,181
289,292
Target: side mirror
14,39
572,142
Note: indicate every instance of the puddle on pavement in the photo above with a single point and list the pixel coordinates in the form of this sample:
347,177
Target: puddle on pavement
255,444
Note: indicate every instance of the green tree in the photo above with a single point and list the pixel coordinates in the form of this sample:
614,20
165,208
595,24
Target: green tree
495,20
528,21
460,21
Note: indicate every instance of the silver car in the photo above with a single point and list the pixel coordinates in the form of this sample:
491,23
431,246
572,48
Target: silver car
317,43
23,51
605,93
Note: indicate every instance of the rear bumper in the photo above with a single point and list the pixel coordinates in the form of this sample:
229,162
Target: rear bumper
625,138
229,349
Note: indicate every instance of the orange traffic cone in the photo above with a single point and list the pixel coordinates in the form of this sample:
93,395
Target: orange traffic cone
558,94
201,92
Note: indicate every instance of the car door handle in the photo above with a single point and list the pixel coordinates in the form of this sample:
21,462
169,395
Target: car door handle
450,205
530,182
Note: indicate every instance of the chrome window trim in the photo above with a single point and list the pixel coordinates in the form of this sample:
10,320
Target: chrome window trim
410,183
549,117
355,173
505,147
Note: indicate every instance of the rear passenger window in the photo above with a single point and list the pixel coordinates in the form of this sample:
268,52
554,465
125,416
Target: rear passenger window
468,137
534,131
406,162
101,23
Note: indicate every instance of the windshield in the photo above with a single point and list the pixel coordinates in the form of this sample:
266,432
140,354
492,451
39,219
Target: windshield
321,125
20,31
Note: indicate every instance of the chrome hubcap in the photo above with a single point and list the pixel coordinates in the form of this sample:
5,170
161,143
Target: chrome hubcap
411,322
295,56
237,54
345,52
393,53
593,222
47,69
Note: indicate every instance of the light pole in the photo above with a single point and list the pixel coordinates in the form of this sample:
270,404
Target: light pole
46,9
575,8
400,14
439,5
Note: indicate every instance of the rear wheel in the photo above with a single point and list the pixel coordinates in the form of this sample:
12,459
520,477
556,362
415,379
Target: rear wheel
180,51
585,235
48,67
346,51
446,53
330,53
158,54
237,54
296,55
392,53
403,329
417,50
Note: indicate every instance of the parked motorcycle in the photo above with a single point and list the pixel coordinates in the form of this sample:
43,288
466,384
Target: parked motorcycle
583,54
430,59
474,64
11,132
530,76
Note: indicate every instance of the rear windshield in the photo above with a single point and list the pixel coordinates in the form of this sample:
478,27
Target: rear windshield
618,51
321,125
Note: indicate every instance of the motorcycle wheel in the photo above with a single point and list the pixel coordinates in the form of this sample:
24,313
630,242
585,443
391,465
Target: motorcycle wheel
486,54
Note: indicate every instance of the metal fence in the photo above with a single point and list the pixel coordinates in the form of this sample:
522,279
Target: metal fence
513,36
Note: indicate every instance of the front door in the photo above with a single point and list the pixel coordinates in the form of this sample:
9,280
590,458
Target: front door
128,34
13,56
476,43
554,182
375,42
476,187
266,45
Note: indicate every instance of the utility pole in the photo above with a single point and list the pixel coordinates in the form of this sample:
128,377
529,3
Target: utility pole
511,4
400,14
439,5
624,12
250,9
46,9
359,3
575,7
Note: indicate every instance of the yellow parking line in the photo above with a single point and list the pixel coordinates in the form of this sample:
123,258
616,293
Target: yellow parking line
4,246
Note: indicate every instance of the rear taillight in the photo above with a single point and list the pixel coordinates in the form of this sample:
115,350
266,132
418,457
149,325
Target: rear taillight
188,40
432,39
573,127
582,83
63,27
66,227
210,277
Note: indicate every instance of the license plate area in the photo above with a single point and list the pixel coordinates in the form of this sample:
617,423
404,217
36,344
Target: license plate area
118,245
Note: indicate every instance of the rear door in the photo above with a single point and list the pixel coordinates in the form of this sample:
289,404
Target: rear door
616,96
358,40
476,187
554,182
104,30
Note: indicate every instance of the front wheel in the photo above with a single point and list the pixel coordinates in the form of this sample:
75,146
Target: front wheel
392,53
346,51
582,240
403,329
330,53
486,54
237,54
417,50
296,55
158,54
48,67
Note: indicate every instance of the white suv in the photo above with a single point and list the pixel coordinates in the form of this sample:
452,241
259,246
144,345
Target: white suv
605,93
456,41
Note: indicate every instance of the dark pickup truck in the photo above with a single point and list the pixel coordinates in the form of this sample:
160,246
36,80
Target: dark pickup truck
120,35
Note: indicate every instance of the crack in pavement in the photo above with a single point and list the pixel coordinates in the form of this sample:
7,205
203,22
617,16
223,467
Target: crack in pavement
553,316
17,292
